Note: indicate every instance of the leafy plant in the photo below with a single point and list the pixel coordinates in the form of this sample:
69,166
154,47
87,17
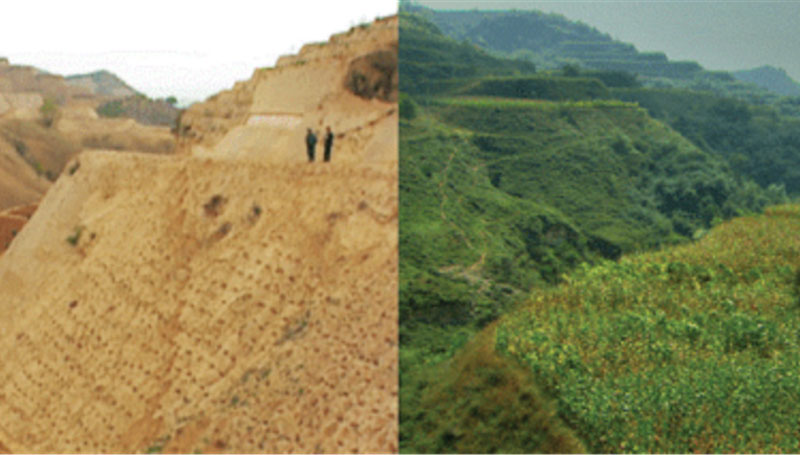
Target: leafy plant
49,111
76,236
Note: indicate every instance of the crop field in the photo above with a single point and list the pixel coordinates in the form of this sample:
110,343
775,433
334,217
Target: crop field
691,349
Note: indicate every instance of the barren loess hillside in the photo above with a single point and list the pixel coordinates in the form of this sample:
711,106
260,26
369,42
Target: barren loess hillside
348,83
231,298
46,119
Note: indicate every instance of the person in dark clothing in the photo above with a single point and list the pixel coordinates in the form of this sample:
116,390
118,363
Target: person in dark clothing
328,143
311,144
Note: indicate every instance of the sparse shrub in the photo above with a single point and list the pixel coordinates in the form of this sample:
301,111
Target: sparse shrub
76,236
49,112
20,147
214,205
74,168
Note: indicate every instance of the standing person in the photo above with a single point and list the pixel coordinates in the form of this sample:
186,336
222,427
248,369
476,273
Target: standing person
311,144
328,143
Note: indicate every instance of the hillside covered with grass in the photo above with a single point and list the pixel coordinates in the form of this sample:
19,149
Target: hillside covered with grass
503,189
515,183
693,348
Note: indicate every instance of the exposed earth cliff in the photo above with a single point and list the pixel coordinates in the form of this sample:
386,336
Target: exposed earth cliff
231,298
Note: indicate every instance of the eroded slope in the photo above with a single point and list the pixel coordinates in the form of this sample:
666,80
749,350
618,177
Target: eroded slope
348,83
234,306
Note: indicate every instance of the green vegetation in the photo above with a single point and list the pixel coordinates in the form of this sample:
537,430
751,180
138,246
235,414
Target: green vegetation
526,200
142,109
459,407
49,111
757,141
431,63
111,109
158,445
76,236
539,87
691,349
552,41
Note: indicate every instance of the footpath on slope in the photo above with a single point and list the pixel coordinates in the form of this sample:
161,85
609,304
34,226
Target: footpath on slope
233,306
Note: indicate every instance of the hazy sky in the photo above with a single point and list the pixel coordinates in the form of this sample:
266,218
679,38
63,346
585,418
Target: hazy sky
190,49
720,35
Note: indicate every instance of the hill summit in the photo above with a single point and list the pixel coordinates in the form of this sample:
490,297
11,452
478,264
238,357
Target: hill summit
773,79
229,298
102,83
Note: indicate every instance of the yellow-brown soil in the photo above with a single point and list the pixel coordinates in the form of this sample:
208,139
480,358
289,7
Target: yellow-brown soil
231,298
232,306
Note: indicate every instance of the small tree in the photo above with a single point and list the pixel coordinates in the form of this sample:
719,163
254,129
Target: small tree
570,70
171,100
49,111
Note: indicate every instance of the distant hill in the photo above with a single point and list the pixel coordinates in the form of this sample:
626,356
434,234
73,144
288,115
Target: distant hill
102,83
46,119
125,101
25,79
142,109
773,79
552,41
432,62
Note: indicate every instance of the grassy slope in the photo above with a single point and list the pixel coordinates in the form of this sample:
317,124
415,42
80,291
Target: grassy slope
480,402
457,230
757,141
431,63
614,171
500,195
692,348
613,177
571,189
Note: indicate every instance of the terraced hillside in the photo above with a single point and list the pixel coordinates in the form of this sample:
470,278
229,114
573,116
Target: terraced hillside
553,41
213,302
511,181
521,189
